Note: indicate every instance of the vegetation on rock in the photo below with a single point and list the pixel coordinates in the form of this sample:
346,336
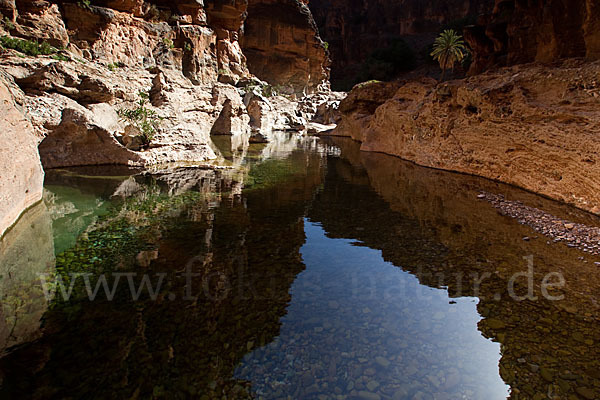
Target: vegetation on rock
145,120
28,47
8,24
448,49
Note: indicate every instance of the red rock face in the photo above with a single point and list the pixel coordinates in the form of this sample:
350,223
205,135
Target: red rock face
354,29
519,31
283,47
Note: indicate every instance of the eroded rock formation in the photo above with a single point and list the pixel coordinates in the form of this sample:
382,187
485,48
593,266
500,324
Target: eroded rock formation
282,43
20,169
184,55
520,31
531,126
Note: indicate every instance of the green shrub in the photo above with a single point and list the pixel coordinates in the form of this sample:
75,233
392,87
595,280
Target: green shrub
266,90
8,24
60,57
367,83
116,65
85,4
326,46
168,43
147,121
27,46
187,46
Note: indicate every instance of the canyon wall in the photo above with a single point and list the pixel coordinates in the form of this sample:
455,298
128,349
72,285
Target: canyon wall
282,43
181,62
21,175
354,30
531,126
519,31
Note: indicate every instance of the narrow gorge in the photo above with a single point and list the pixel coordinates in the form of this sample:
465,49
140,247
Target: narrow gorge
300,199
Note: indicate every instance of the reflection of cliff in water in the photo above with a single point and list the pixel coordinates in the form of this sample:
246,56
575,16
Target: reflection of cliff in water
432,224
26,251
243,250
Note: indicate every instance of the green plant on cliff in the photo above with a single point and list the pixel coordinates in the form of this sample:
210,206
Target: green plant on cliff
367,83
448,49
146,121
168,43
28,47
116,65
8,24
85,4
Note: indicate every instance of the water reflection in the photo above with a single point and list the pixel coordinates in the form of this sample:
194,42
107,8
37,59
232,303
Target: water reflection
315,275
360,327
26,251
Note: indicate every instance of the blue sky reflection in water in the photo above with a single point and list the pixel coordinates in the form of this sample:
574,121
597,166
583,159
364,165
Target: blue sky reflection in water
358,325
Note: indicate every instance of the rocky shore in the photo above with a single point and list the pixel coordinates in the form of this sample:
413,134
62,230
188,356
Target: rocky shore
581,236
70,71
533,126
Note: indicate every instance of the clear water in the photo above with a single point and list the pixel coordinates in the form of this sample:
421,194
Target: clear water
303,270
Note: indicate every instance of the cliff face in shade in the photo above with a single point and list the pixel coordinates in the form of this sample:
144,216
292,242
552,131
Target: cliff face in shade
519,31
282,44
355,29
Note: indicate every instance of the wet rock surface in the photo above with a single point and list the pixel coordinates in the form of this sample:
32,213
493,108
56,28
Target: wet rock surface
184,57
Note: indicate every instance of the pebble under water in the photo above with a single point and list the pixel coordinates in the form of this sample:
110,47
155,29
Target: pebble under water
306,270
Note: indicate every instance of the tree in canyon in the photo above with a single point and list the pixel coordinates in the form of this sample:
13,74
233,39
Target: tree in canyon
448,49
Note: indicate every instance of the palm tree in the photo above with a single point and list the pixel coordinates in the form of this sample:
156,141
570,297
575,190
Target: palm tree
449,49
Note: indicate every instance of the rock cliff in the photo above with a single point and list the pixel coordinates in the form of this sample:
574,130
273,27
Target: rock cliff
20,170
532,126
141,83
520,32
354,30
282,43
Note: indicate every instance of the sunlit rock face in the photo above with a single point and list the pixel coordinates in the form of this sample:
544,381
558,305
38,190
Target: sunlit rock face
520,31
26,254
532,126
283,47
20,168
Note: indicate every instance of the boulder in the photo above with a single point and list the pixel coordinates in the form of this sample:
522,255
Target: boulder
86,137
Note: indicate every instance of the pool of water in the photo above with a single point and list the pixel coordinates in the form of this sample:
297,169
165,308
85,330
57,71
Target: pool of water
306,270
